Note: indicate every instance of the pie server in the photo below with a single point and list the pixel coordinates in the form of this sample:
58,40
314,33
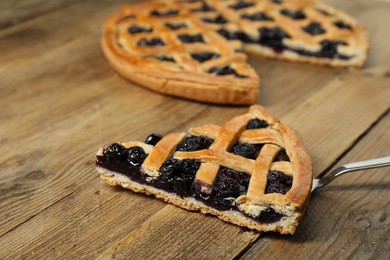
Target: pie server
350,167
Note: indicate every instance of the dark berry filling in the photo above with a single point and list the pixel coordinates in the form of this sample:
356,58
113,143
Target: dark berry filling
136,155
259,16
164,14
329,48
296,15
186,38
115,151
241,5
342,25
277,2
278,182
204,8
151,42
246,150
228,35
176,26
282,156
217,20
153,139
314,29
256,123
177,176
139,29
165,58
227,70
204,56
269,215
273,37
195,143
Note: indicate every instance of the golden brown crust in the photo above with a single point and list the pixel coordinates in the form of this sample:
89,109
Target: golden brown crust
291,205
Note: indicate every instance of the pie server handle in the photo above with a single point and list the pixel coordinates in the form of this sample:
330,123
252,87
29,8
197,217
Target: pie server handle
350,167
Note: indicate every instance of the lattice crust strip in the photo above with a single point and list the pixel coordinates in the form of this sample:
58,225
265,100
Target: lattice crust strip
256,128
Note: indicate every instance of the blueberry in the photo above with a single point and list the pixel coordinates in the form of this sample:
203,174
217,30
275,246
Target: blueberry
194,143
282,156
151,42
187,38
136,155
273,37
278,182
153,139
138,29
190,167
329,48
227,188
217,20
228,35
245,150
164,14
314,29
241,5
204,56
115,151
176,26
171,167
342,25
269,215
256,123
296,15
227,70
165,58
259,16
204,8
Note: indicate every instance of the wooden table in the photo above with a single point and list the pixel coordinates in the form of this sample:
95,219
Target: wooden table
60,101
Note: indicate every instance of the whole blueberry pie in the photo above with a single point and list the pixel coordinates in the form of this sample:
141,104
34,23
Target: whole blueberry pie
253,171
195,48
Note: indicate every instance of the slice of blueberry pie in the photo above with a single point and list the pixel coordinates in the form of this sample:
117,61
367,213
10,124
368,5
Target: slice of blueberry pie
252,171
194,48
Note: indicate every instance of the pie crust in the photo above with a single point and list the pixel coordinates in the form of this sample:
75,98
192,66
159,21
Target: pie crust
264,203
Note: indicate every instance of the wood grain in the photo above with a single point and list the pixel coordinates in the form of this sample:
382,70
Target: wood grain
61,101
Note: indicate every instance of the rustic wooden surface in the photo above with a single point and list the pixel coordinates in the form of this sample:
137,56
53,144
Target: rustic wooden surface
60,101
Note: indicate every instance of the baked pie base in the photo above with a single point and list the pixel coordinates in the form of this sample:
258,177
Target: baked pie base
274,183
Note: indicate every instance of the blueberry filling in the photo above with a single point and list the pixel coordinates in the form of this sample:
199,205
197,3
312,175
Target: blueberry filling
176,26
217,20
273,37
195,143
342,25
259,16
228,35
151,42
227,70
204,56
277,2
177,176
314,29
282,156
256,123
186,38
204,9
246,150
296,15
329,48
138,29
153,139
136,155
165,58
278,182
241,5
164,14
115,151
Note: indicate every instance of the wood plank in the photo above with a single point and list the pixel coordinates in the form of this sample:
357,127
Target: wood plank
12,14
349,218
